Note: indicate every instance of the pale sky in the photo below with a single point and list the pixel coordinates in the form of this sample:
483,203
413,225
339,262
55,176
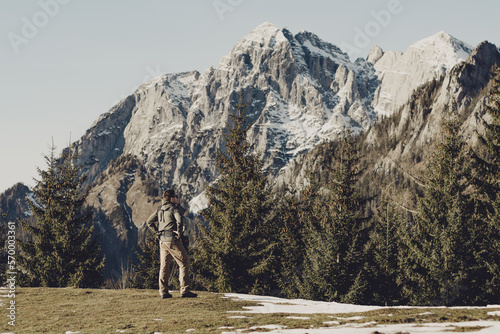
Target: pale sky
65,62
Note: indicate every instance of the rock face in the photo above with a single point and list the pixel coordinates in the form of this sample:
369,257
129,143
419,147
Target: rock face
299,90
401,73
13,203
460,90
404,141
123,197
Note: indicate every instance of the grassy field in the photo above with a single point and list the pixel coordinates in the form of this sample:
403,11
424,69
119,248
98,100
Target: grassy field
52,310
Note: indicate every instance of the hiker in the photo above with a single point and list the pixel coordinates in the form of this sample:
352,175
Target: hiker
169,231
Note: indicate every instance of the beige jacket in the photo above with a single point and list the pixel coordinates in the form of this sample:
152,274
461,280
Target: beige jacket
168,218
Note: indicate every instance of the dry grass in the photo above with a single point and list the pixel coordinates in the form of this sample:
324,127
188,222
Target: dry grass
46,310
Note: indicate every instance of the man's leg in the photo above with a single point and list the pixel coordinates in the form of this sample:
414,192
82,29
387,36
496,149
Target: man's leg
181,256
165,259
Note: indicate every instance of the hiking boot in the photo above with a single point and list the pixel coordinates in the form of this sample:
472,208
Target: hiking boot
189,294
166,295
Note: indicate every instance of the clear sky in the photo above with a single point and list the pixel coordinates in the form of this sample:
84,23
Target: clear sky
65,62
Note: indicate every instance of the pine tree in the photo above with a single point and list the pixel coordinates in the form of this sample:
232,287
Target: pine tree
492,138
63,251
442,265
384,251
487,172
334,267
235,250
291,247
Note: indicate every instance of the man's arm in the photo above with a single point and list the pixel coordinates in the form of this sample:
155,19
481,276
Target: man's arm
151,222
178,219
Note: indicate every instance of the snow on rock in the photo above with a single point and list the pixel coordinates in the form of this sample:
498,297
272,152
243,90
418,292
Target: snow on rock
400,73
442,50
303,91
266,33
198,203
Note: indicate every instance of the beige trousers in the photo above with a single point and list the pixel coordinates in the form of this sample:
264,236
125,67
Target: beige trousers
168,251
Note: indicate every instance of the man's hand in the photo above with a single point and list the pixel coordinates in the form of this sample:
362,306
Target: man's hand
185,241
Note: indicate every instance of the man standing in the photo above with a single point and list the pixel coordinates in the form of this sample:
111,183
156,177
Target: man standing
169,231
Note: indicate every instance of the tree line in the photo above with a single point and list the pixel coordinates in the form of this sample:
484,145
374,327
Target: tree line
313,241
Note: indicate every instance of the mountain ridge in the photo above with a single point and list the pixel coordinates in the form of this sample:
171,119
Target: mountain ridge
301,91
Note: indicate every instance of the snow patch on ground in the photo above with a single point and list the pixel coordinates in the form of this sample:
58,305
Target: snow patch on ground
299,318
482,327
301,306
297,306
237,317
270,327
351,318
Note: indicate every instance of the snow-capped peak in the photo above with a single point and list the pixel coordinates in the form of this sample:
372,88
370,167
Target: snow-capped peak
442,50
324,49
264,36
267,34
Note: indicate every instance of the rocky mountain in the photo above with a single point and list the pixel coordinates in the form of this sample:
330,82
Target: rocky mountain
300,91
424,61
396,148
13,202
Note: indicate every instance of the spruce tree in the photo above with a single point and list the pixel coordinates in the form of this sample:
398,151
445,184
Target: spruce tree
487,173
492,137
291,247
334,266
443,263
384,252
63,251
235,250
294,213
